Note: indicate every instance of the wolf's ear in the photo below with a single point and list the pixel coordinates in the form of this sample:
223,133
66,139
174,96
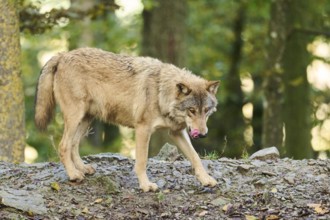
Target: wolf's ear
212,86
183,89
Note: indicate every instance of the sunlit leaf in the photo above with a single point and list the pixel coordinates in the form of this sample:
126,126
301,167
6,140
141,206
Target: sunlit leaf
318,208
55,186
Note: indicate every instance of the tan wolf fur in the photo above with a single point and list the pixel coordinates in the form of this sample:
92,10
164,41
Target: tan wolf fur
138,92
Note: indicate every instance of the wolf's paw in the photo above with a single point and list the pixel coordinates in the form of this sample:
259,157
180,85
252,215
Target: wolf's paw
89,170
77,176
207,180
148,186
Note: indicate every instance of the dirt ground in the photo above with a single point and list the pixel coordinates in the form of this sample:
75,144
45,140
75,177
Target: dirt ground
247,189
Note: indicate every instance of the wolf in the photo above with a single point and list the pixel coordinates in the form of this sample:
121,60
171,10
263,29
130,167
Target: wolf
138,92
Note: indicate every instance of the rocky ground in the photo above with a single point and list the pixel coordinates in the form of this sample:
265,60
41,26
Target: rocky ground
260,188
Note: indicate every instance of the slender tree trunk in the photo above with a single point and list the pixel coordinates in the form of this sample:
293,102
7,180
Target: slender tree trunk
296,108
272,134
164,31
12,125
232,121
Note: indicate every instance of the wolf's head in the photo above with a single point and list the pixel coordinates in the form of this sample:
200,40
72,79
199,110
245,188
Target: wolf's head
197,102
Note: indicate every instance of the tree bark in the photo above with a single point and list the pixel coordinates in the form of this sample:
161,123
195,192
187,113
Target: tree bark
164,30
163,37
12,125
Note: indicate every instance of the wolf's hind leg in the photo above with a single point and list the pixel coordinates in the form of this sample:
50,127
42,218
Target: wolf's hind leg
183,141
66,146
81,131
142,136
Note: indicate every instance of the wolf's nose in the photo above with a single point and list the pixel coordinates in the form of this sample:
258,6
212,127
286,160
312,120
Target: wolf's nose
202,135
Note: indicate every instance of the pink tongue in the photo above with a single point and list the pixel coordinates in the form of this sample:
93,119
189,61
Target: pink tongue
194,133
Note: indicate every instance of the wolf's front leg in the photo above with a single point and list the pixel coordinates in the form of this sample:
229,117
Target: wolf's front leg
184,143
142,138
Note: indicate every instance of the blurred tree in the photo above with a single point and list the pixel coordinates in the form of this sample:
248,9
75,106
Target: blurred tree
12,126
296,58
272,133
163,37
253,67
287,90
232,122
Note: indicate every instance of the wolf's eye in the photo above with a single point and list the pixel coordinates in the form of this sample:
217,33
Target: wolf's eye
192,111
207,109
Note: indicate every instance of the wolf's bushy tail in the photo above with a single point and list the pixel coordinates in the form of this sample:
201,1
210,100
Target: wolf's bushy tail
44,98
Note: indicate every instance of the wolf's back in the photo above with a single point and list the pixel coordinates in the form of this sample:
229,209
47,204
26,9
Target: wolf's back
44,98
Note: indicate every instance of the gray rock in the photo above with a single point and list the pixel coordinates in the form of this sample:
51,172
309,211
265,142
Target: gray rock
23,200
290,179
161,183
244,168
270,153
110,157
168,153
258,163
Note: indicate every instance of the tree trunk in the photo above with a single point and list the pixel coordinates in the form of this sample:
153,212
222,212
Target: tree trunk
12,125
232,117
164,30
272,134
296,108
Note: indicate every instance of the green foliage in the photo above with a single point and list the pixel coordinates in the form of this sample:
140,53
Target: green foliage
32,21
160,196
149,4
245,154
212,155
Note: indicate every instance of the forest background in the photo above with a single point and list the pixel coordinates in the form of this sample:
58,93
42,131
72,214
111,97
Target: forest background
272,58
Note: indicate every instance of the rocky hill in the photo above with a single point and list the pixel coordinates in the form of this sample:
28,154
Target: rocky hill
261,188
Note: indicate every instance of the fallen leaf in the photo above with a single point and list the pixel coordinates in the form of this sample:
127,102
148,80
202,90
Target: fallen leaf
30,213
98,200
274,190
250,217
55,186
203,213
165,215
272,217
85,210
318,208
166,191
225,207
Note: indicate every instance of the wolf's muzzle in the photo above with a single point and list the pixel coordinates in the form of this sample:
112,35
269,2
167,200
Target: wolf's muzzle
195,134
